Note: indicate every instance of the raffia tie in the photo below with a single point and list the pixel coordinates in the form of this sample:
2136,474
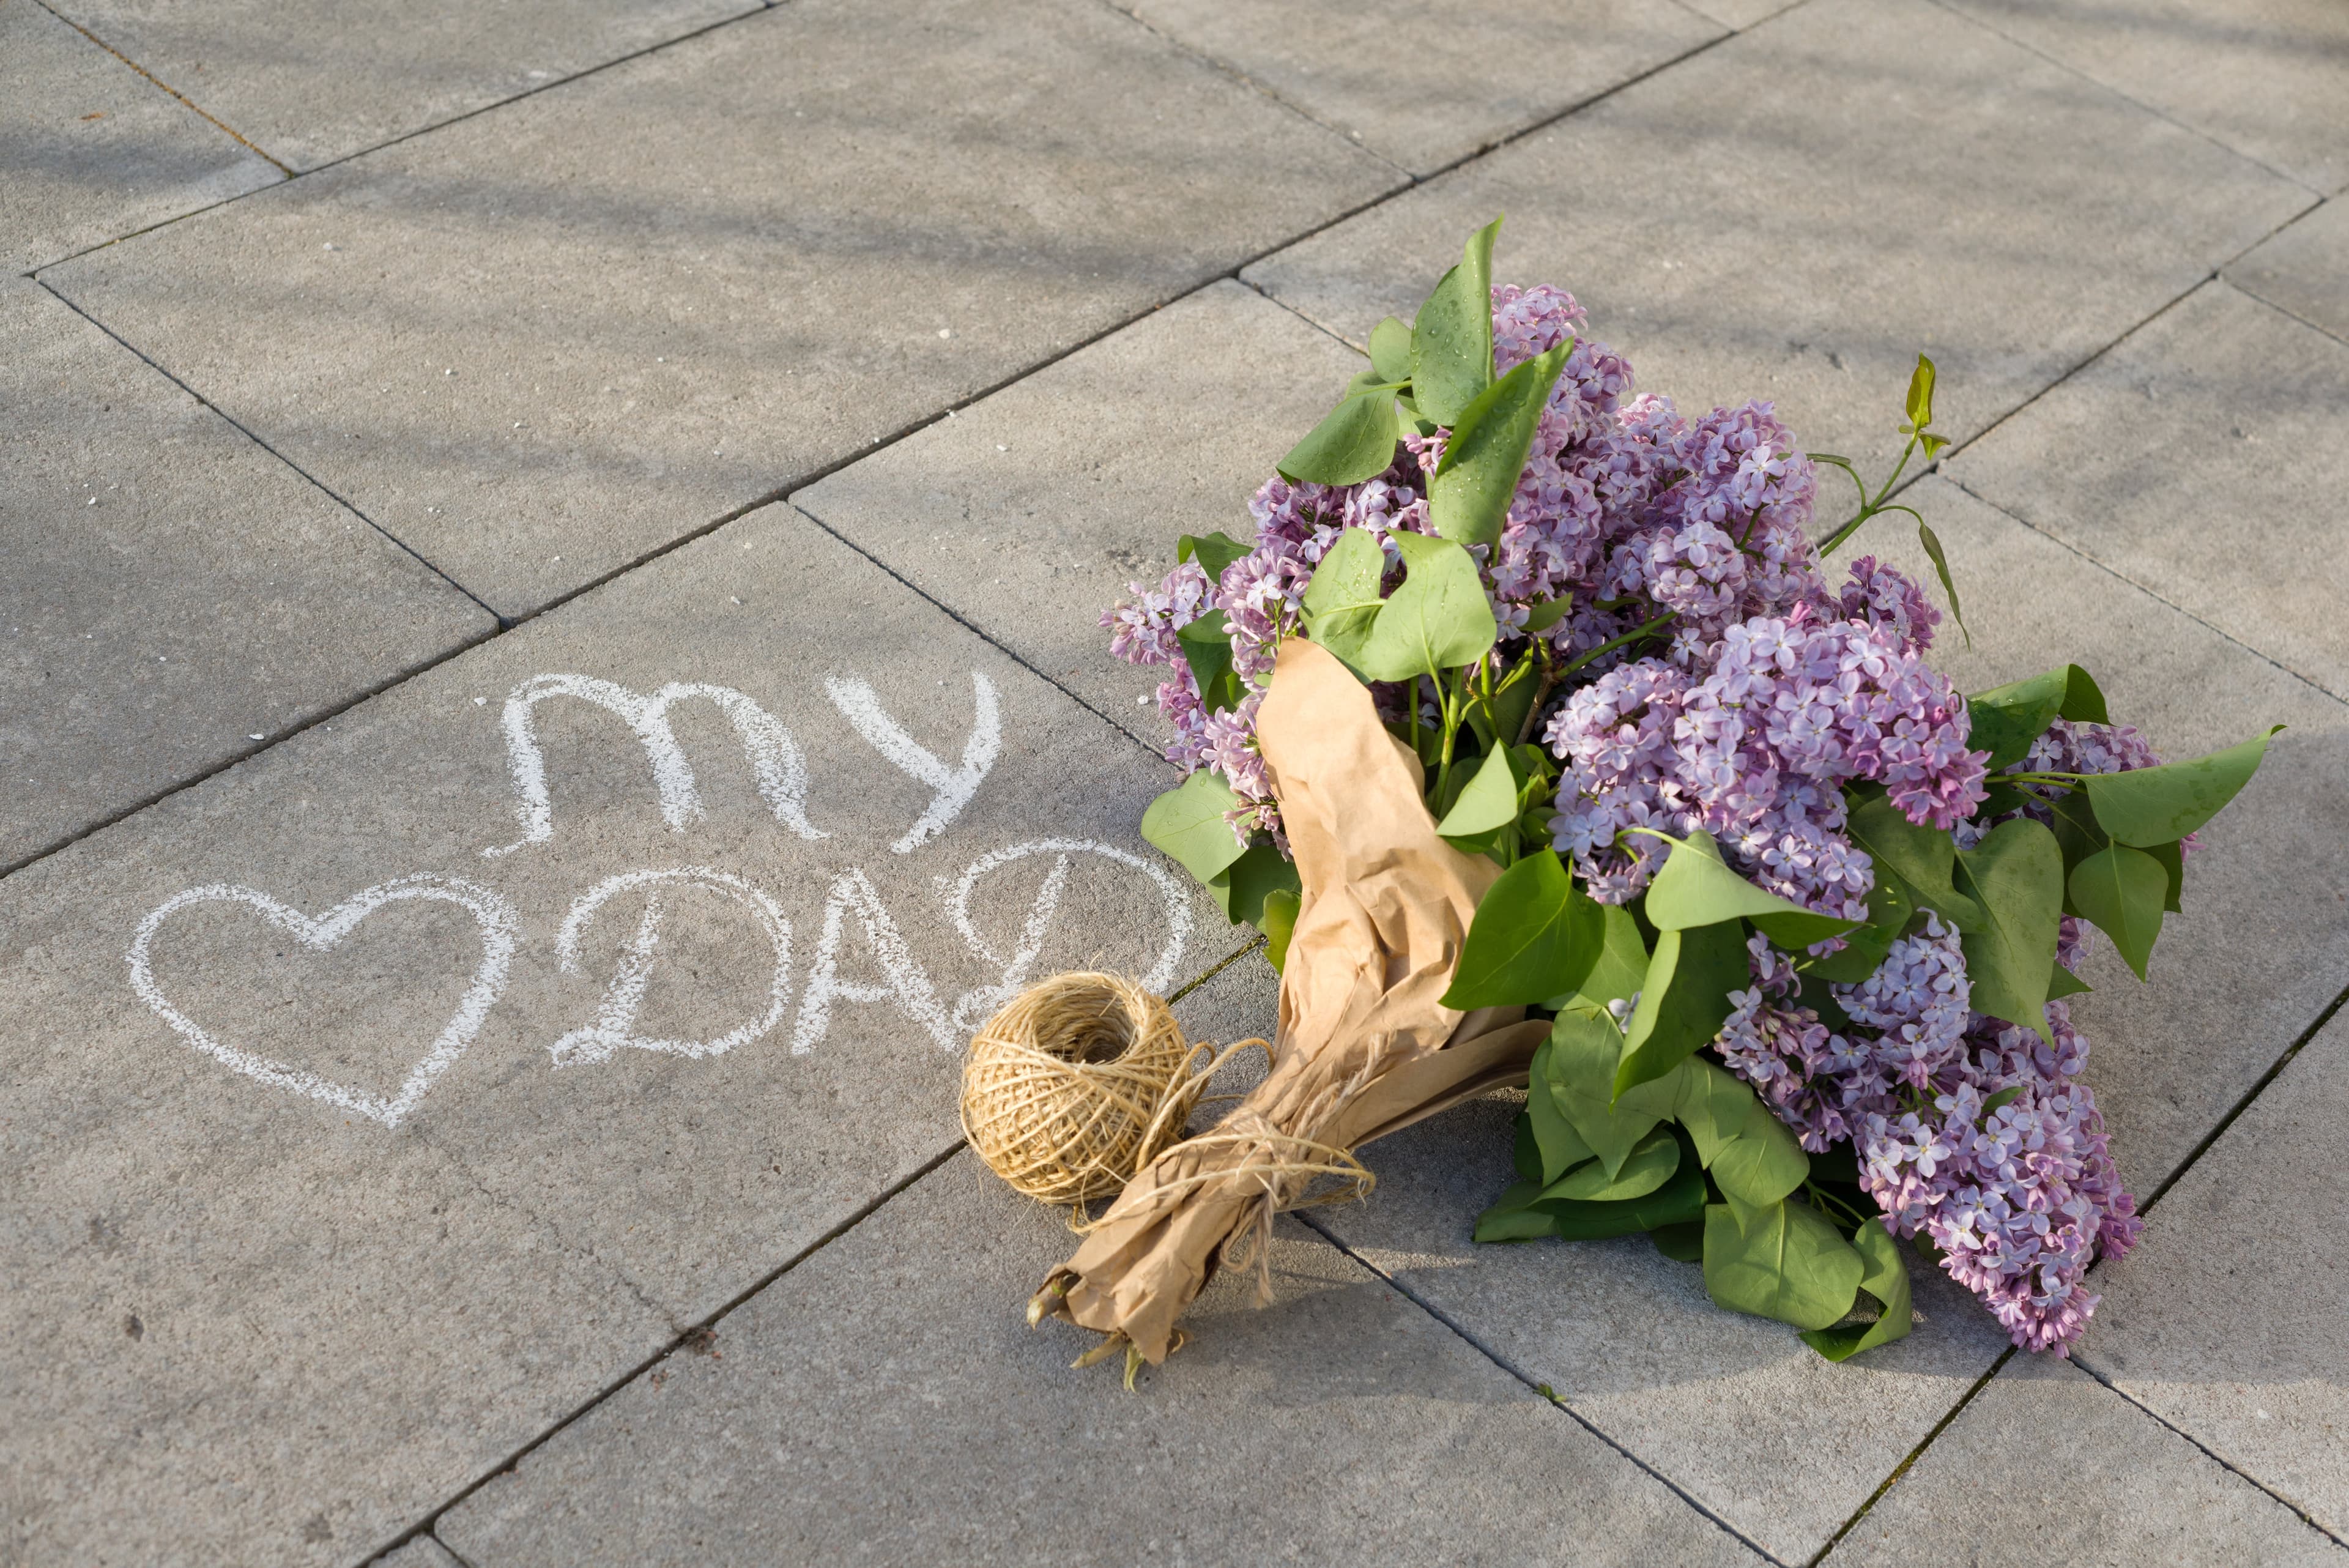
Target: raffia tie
1079,1081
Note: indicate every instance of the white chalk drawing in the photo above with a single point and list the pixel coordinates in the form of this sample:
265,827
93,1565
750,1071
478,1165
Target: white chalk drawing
904,980
498,929
975,1006
616,1019
952,787
775,759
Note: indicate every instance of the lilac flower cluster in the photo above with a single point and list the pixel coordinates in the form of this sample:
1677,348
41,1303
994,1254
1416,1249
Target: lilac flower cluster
1752,739
2019,1200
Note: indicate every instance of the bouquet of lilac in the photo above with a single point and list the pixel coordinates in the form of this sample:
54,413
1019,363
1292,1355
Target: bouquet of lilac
1804,916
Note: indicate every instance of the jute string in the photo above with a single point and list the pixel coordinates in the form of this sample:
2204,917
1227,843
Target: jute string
1084,1078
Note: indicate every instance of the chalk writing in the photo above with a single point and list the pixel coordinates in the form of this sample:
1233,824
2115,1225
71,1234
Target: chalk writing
975,1006
775,760
954,786
904,980
616,1020
491,913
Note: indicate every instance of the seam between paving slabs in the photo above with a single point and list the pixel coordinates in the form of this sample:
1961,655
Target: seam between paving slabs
790,487
315,483
693,1334
2211,1453
1439,1315
152,80
2155,110
1224,68
2274,1070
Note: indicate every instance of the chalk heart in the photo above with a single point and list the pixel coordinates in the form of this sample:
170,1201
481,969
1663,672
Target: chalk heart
498,928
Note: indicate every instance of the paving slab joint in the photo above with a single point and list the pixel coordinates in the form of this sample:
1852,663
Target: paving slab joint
1259,89
2154,109
1908,1463
2213,1455
162,85
2154,594
1312,1222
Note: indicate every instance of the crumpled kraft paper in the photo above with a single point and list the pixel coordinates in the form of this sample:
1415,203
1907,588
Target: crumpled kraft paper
1364,1046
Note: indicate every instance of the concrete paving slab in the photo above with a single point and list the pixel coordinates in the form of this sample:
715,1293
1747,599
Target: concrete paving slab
2264,77
169,593
316,82
1478,72
2304,270
1738,232
1733,1410
884,1402
2227,1324
2049,1464
422,1553
2263,947
1740,15
231,1344
267,1027
2245,535
1031,511
542,342
1630,1339
90,151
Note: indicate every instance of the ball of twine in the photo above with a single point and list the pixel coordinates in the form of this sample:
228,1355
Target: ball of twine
1078,1081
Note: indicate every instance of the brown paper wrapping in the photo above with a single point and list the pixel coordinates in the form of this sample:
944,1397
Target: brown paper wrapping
1364,1046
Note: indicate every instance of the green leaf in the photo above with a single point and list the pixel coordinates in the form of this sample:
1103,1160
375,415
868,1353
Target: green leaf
1189,823
1207,650
1535,934
1885,1279
2063,983
1754,1156
1921,396
1490,801
1922,858
1354,441
1452,340
1648,1166
1622,965
1683,1000
1678,1201
2154,805
1682,1243
1581,1067
1280,923
1510,1221
1890,908
2014,878
2007,718
1544,614
1242,886
1790,1264
1214,552
1515,700
1341,603
1934,552
1559,1147
2172,857
1469,497
1697,888
1438,621
1391,350
2123,890
1999,1101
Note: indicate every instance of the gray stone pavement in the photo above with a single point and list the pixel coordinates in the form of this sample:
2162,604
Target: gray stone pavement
481,1097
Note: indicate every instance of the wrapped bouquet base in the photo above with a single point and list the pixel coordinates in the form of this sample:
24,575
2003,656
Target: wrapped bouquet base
1365,1045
